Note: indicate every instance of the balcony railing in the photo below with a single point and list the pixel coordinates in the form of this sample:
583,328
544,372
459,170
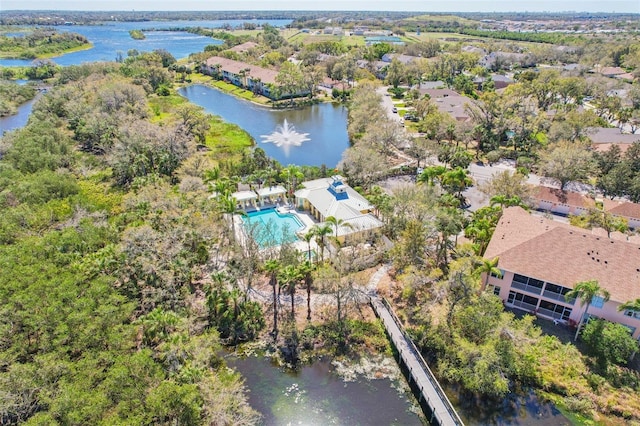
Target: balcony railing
523,305
557,296
525,287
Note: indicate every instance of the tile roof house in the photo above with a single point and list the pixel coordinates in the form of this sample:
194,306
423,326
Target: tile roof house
259,80
499,81
543,259
332,197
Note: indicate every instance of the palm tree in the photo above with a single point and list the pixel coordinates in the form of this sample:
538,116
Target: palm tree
224,186
632,305
292,174
320,232
430,174
157,325
586,291
337,223
504,201
456,181
216,68
308,237
290,275
243,74
488,267
272,266
227,205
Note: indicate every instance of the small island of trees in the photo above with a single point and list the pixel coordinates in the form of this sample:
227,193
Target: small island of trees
137,34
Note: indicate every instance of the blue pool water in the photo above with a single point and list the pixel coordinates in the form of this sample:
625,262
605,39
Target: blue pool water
270,228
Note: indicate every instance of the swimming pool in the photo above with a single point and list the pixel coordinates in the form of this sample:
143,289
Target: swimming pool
270,228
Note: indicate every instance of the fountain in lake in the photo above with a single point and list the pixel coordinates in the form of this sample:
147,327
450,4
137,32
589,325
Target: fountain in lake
286,136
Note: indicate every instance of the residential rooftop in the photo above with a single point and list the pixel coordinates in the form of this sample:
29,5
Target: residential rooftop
565,255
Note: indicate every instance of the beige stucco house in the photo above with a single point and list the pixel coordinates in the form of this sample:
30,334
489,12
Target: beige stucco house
542,260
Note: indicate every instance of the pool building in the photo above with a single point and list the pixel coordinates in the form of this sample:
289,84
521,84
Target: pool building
266,197
332,197
268,213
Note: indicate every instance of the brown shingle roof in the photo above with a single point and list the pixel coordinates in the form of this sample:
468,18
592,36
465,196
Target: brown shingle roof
622,208
555,195
563,254
265,75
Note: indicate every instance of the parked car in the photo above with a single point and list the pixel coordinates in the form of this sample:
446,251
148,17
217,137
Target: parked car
394,110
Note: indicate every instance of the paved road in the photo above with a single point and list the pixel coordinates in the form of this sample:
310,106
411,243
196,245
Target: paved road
387,103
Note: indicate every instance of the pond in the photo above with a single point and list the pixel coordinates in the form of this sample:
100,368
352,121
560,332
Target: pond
316,395
313,135
110,38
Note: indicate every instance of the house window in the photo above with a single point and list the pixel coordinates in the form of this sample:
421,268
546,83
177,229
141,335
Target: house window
631,313
494,289
597,302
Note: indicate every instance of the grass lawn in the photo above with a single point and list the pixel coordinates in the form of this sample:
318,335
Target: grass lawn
436,36
245,32
239,92
227,140
441,18
295,36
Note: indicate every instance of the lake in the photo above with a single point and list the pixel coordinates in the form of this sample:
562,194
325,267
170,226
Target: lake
325,126
112,37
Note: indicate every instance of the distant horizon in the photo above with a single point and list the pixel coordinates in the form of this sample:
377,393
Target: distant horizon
419,6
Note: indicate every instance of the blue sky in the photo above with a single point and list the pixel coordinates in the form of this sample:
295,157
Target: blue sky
400,5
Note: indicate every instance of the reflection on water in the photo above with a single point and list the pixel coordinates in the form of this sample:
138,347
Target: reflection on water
315,395
522,410
285,136
325,124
